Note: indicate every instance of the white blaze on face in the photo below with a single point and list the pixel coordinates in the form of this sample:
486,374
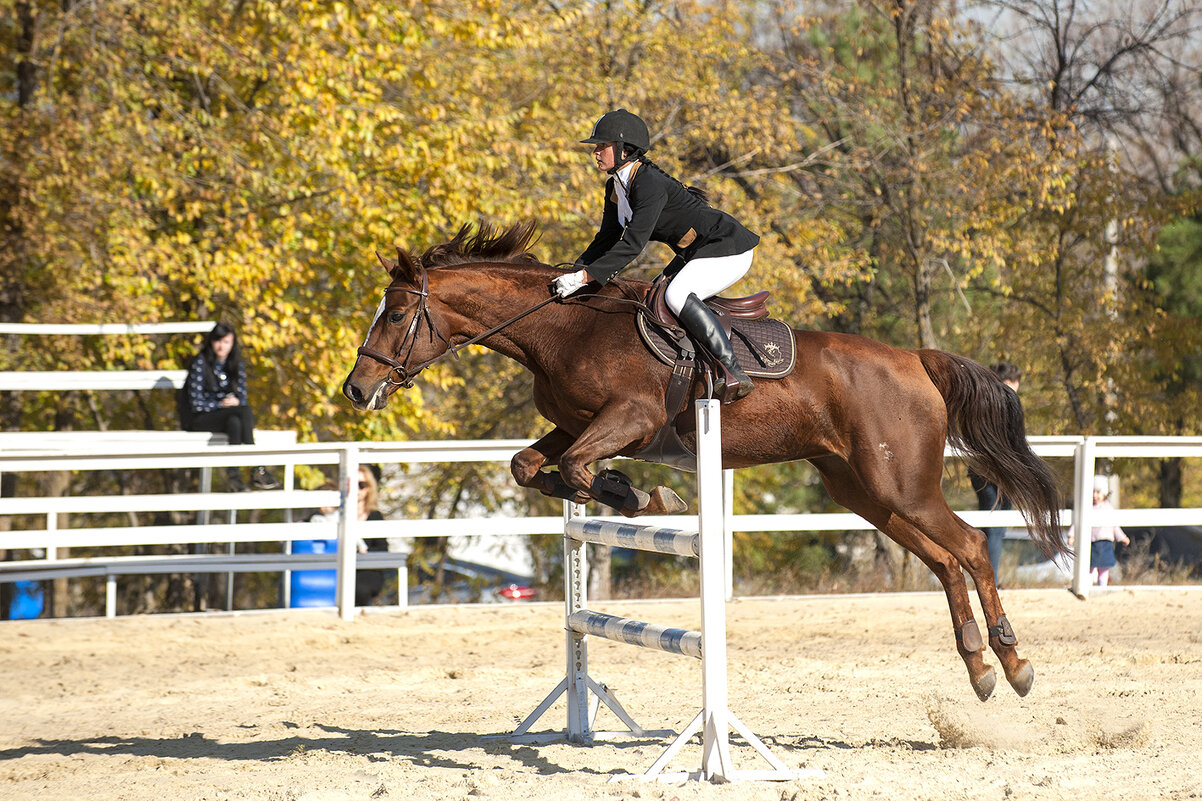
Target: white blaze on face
374,320
378,399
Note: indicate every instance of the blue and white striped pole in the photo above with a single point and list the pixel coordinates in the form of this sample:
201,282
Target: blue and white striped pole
631,535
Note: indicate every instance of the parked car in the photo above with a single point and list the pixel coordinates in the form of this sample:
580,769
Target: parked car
469,582
1175,545
517,592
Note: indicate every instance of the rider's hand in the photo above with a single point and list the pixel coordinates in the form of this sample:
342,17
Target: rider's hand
570,282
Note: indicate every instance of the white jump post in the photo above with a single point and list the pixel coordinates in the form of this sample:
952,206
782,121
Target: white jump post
715,720
348,517
1085,460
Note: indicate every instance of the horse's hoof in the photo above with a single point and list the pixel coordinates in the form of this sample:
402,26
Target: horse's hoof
983,685
1022,679
637,503
661,501
665,502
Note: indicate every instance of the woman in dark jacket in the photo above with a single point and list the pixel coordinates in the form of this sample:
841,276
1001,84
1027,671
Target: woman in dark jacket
217,396
643,203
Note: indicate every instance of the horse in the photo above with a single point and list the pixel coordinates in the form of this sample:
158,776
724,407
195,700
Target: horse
871,418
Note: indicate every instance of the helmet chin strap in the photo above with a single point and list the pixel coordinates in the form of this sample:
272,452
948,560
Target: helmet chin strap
620,158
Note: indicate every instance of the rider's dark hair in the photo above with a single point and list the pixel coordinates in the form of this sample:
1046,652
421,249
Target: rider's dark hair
1007,371
232,362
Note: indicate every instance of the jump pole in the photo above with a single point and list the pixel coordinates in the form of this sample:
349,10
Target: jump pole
708,543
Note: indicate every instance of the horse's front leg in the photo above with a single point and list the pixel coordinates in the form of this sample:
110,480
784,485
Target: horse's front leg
527,467
613,429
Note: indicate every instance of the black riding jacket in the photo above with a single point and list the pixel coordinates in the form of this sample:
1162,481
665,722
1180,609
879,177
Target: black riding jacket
662,211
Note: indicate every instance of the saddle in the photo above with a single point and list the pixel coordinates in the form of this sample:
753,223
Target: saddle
763,346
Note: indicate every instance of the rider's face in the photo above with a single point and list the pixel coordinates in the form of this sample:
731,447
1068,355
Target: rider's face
603,154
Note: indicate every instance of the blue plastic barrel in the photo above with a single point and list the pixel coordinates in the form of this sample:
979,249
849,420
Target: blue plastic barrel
314,587
28,601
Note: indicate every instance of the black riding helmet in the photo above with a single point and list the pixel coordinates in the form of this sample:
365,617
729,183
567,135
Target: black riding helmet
622,127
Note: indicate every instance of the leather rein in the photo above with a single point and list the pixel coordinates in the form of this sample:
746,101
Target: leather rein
406,375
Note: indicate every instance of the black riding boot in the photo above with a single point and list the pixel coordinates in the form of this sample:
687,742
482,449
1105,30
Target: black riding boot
703,325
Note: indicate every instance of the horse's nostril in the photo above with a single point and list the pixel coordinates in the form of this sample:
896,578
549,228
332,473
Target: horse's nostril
352,392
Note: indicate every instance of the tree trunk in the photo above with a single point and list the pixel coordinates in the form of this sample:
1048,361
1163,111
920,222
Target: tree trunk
1170,483
600,574
922,306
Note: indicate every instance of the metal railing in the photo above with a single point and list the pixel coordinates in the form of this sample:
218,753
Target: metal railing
1085,452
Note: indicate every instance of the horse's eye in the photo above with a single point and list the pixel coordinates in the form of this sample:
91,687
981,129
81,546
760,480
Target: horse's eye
396,317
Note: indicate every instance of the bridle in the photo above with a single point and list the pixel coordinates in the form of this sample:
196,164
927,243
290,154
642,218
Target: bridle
406,375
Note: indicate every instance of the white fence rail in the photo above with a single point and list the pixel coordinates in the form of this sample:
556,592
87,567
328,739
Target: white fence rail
60,380
91,453
106,329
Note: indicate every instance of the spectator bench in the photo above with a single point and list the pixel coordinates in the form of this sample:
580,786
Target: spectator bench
61,380
59,443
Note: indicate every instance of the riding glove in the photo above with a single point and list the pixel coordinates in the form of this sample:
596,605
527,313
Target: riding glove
569,283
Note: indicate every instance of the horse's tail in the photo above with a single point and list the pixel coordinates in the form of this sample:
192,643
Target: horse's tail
985,423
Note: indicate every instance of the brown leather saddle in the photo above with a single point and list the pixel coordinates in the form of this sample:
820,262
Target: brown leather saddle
765,349
764,346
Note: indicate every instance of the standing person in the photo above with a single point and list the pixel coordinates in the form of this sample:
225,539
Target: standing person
988,496
216,393
369,583
1102,538
643,203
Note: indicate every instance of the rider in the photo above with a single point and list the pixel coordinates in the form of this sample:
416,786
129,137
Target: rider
643,203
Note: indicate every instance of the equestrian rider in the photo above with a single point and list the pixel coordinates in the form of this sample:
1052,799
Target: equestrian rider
643,203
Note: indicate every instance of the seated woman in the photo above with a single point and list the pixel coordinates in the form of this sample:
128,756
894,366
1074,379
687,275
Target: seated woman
217,394
369,583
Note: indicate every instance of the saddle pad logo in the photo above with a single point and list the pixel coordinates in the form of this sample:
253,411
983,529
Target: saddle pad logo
773,354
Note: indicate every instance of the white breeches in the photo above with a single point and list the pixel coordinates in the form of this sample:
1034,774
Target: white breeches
706,277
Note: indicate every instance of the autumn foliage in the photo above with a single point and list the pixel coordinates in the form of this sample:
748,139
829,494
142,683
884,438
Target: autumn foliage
243,161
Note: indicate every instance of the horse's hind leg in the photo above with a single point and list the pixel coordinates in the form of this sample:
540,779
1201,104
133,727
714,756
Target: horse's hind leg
1019,672
947,569
951,534
845,488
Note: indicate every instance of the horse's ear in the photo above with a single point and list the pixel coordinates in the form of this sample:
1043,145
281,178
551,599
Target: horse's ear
406,268
389,266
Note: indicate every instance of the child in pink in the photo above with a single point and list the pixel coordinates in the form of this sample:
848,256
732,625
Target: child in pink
1102,538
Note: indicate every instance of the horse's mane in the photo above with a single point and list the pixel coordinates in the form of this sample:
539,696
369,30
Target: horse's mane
485,243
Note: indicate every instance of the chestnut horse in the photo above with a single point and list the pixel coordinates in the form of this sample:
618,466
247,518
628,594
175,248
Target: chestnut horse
871,418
